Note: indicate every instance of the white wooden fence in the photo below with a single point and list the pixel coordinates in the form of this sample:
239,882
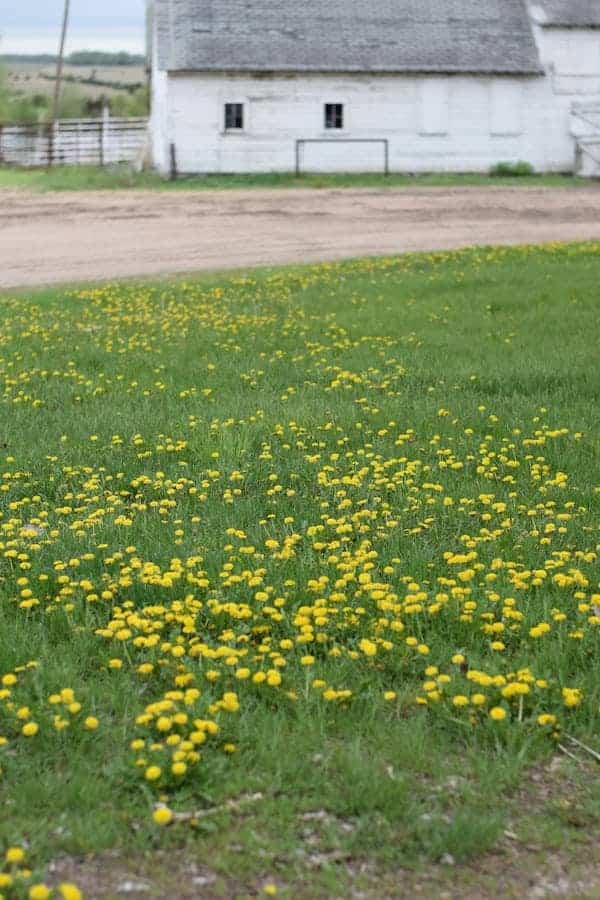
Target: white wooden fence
73,142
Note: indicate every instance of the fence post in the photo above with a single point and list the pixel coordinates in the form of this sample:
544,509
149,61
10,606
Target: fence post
104,134
50,127
1,143
173,156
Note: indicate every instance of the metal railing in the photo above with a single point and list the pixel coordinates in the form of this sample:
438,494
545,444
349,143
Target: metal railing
384,142
68,142
585,126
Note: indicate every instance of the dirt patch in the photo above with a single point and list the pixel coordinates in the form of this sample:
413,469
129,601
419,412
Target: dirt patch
508,873
89,236
110,875
527,863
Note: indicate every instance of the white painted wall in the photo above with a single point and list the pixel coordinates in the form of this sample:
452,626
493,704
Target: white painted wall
159,114
433,124
572,59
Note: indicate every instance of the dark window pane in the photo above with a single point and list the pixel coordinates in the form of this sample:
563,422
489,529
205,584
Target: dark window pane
334,115
234,115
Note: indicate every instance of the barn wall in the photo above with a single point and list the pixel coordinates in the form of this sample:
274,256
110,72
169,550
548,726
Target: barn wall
159,116
572,58
433,124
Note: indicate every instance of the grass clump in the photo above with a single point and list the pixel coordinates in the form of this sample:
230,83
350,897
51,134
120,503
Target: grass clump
520,169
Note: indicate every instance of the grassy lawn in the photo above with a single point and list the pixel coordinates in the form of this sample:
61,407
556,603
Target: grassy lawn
73,178
299,586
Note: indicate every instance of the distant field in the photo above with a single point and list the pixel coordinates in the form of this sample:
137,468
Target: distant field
94,81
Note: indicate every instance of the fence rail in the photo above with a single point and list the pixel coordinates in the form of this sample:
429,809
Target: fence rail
303,142
585,126
70,142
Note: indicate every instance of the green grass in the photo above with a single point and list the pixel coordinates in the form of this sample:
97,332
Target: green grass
370,417
73,178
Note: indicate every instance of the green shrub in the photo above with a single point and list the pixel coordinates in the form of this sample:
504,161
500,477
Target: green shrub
518,169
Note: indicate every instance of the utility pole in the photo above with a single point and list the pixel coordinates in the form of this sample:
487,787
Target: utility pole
59,73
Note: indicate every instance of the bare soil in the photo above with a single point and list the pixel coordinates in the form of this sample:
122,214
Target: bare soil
528,862
503,875
90,236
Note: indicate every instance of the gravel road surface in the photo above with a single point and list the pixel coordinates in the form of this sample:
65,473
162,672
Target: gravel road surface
89,236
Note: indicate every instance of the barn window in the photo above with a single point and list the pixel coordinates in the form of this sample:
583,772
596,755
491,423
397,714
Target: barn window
334,115
234,116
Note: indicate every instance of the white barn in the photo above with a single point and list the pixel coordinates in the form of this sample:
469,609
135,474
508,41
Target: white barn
358,85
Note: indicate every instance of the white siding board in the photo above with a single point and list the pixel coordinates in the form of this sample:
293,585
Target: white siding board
159,126
435,106
506,107
572,59
342,156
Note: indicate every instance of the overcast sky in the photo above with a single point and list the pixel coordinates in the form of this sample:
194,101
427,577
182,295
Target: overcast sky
33,26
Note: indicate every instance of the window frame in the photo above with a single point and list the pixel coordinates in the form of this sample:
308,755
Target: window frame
240,107
336,108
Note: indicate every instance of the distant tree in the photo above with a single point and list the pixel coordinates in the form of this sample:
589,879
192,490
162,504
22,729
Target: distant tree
100,58
42,59
135,104
15,107
78,58
72,104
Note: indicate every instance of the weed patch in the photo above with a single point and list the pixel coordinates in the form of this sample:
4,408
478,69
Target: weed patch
323,537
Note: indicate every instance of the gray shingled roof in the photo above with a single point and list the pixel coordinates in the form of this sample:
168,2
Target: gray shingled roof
569,13
346,36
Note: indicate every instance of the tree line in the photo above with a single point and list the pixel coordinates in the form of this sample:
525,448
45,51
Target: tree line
79,58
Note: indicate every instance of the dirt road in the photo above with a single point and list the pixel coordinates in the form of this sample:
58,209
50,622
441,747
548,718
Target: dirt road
60,237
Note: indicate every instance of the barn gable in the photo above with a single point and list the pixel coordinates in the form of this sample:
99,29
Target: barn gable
567,13
389,36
